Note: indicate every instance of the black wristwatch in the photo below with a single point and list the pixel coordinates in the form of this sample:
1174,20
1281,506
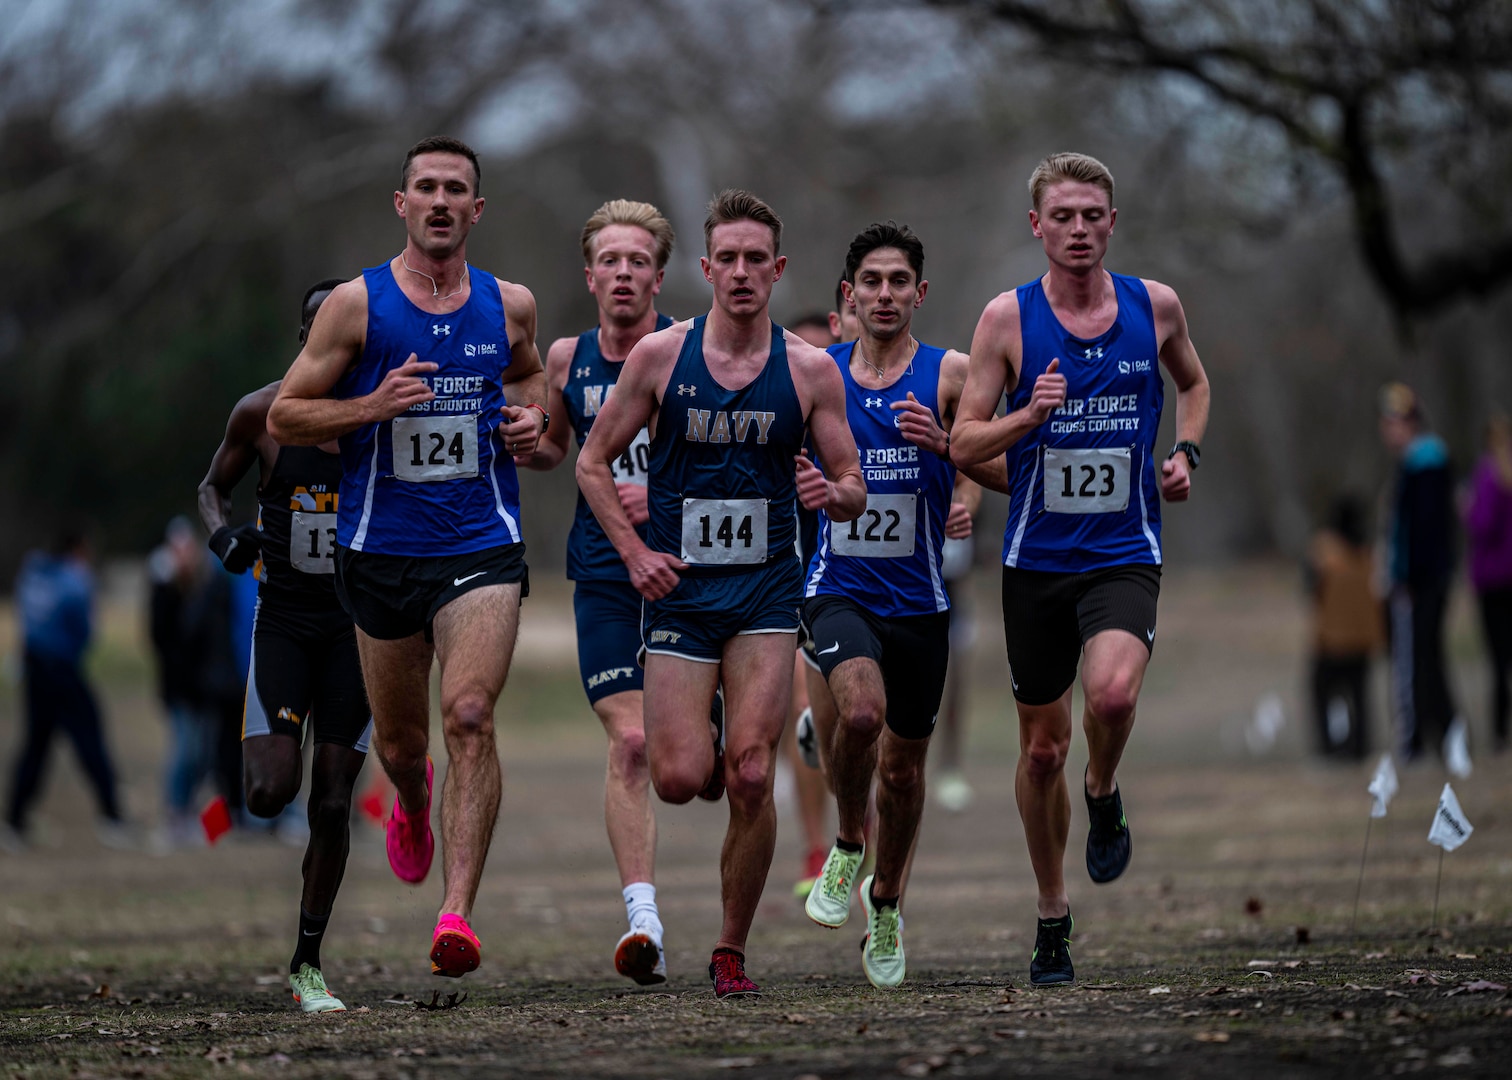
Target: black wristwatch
1192,451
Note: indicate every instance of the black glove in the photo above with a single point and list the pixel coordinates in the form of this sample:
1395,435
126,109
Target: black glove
237,548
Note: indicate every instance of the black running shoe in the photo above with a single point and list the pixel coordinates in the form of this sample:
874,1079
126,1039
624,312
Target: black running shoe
714,790
1051,963
1108,843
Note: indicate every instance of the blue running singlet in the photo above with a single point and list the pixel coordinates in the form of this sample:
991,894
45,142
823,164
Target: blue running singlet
431,481
723,495
888,559
590,378
1086,493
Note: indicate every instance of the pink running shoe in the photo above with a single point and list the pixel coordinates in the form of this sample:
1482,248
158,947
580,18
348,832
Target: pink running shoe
727,969
408,838
455,949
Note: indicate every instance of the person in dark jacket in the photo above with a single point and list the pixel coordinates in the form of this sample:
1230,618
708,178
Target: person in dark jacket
55,599
1489,524
1420,559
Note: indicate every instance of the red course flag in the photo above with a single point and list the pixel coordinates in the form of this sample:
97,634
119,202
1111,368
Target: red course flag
216,819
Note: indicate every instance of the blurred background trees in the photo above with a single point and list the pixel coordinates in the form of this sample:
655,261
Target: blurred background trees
1319,179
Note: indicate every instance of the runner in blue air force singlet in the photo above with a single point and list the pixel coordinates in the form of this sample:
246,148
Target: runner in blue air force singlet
1086,490
888,559
590,378
430,482
724,496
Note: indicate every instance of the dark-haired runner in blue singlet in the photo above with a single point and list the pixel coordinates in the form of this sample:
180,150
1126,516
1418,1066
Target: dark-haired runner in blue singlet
726,398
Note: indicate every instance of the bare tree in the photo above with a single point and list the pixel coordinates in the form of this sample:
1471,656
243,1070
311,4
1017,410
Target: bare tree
1388,97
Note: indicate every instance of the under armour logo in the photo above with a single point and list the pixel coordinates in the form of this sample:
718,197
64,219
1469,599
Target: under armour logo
582,372
440,329
874,403
684,388
1095,352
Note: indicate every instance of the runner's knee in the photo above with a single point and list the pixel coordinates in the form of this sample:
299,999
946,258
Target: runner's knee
748,781
1044,757
627,752
329,809
1113,702
899,772
675,782
863,718
267,795
470,716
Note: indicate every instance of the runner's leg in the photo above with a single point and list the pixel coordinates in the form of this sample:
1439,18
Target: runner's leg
332,776
861,703
475,640
627,801
1040,789
271,772
1113,667
900,805
679,695
397,675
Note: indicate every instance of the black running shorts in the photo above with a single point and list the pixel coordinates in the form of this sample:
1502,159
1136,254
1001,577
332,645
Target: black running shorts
1047,618
912,651
305,673
397,596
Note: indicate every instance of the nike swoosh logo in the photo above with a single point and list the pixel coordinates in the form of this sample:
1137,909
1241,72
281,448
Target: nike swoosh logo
234,542
1150,634
311,933
825,652
469,577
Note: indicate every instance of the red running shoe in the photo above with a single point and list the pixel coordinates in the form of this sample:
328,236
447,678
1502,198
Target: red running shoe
714,790
408,838
727,969
454,949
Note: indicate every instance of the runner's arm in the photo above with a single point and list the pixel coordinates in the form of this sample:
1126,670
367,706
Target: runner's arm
235,456
844,493
524,415
551,451
1179,356
992,473
624,413
979,435
302,414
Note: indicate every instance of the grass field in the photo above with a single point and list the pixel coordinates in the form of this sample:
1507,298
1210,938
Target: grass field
1225,949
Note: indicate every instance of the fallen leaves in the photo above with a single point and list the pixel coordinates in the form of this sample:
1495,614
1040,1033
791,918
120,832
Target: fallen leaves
1479,986
1212,1036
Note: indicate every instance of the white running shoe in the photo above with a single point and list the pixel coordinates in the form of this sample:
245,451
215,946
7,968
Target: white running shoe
808,738
310,992
829,901
639,955
882,951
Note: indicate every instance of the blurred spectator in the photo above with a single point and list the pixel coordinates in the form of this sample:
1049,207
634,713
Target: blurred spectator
55,597
197,670
1489,522
1347,630
951,788
1420,563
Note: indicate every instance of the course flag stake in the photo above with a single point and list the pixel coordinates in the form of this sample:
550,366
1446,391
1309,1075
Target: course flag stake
1382,787
1450,829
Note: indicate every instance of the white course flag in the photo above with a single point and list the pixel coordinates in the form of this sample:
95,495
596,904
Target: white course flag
1383,786
1450,829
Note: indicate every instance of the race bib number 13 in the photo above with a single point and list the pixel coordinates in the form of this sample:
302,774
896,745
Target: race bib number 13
724,532
312,543
429,448
1087,481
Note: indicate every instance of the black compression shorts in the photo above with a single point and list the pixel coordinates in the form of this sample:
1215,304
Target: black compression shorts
305,673
397,596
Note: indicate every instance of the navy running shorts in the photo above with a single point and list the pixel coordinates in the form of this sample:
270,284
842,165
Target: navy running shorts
397,596
697,618
608,637
913,652
1048,617
305,673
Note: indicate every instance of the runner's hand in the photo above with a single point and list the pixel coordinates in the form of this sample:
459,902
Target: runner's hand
237,548
632,499
813,488
917,423
654,573
520,430
1175,478
401,388
958,522
1049,393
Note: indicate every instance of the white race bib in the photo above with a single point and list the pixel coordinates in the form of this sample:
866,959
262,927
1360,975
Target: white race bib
1087,481
428,448
884,530
632,466
724,532
312,542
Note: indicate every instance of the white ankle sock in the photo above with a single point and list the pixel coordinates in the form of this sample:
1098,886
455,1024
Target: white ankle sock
640,904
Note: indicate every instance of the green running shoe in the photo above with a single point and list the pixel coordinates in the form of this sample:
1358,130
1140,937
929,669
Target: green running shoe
882,951
828,903
310,992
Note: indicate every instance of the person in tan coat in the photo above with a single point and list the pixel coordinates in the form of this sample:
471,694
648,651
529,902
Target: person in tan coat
1348,630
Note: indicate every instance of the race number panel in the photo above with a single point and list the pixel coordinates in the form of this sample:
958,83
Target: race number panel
1087,481
724,532
884,530
428,448
312,543
632,466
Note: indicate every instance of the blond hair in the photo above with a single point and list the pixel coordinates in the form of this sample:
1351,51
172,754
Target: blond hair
734,204
1068,166
626,212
